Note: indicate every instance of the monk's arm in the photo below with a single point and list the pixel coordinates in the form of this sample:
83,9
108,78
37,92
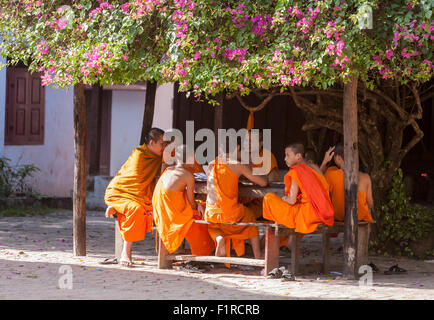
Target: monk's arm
292,198
260,180
273,176
369,198
190,191
327,158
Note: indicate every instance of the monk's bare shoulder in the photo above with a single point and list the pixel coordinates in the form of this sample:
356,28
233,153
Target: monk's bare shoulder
316,168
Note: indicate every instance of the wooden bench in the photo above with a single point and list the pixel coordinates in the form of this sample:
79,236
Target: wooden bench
271,260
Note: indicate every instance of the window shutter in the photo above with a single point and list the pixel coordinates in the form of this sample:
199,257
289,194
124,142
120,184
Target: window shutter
24,107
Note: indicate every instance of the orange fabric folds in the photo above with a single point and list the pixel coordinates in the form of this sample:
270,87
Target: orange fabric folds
227,209
316,193
300,216
130,192
173,217
335,179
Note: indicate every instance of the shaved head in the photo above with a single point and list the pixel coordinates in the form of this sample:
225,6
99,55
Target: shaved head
296,147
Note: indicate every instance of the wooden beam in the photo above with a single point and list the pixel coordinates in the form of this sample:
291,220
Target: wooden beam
79,197
271,250
351,170
215,259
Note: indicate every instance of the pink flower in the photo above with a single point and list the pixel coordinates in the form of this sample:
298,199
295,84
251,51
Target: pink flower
197,55
125,57
389,54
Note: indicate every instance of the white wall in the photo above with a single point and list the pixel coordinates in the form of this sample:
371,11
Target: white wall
127,118
2,106
55,158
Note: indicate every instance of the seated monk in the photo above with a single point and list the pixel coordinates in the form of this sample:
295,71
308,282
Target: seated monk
306,203
175,208
271,169
335,179
222,204
196,168
129,193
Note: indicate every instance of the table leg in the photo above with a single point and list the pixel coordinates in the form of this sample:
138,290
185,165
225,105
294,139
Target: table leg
271,250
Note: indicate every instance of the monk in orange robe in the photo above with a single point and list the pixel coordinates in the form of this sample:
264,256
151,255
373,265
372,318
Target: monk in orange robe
335,178
306,203
129,193
175,208
222,204
266,158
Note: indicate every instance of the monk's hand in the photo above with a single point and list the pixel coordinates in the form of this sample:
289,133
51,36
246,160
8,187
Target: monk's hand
329,154
200,209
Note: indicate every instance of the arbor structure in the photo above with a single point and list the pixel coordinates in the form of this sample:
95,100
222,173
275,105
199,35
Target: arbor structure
311,50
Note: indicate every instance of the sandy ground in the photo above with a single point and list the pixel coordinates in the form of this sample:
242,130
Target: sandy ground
33,249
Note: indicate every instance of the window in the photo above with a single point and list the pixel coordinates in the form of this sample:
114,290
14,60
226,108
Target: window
25,104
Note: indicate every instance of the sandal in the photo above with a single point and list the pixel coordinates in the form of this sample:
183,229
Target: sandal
126,263
287,276
276,273
110,261
395,270
374,267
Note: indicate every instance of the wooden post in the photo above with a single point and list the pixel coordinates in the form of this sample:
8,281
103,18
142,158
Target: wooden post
148,115
79,197
325,253
362,245
351,170
295,253
271,250
119,242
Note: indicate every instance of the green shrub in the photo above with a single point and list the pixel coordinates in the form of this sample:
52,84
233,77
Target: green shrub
13,179
402,225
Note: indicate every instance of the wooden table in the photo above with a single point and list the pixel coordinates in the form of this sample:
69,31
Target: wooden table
246,189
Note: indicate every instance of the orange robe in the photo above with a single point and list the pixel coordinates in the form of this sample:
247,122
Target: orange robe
313,206
335,179
174,216
130,193
255,204
227,209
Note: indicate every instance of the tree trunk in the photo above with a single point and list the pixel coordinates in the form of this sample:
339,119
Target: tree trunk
351,169
148,115
79,198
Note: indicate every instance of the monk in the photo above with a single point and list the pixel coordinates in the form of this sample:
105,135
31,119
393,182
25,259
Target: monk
129,193
272,173
222,204
335,178
310,156
175,208
306,203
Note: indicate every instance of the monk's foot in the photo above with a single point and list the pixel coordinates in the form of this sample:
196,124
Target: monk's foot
220,250
125,262
109,212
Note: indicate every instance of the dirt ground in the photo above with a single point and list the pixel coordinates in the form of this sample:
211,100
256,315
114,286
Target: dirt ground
33,250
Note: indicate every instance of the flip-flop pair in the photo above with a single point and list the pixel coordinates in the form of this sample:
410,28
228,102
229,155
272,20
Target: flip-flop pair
110,261
281,273
395,270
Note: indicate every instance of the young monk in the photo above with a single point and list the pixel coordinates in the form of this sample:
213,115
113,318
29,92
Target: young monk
306,203
255,204
175,208
222,204
129,194
335,179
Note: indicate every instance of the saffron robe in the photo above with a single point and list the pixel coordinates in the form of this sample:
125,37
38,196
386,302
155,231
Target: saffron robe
335,179
313,206
255,204
130,193
174,216
227,209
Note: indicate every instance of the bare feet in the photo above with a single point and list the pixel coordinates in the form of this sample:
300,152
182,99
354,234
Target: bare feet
220,250
109,212
126,259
